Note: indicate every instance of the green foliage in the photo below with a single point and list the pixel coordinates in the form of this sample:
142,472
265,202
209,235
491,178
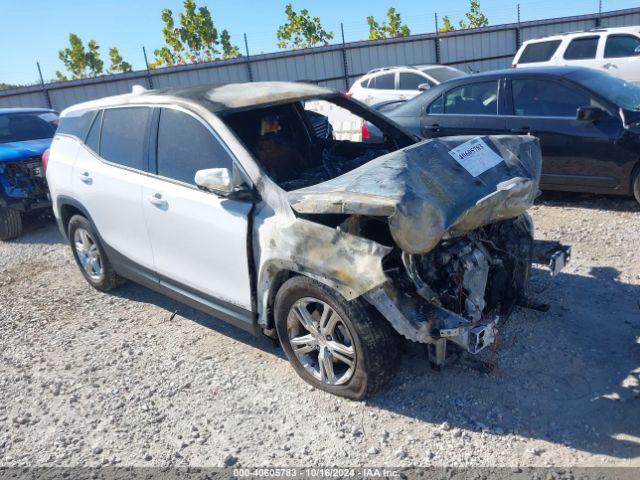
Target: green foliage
392,28
301,31
118,65
228,49
7,86
78,61
474,16
194,40
447,26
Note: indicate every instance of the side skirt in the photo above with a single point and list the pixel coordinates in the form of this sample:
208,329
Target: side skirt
228,312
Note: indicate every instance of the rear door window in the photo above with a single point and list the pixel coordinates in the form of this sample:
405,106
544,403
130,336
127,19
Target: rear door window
472,99
583,48
539,51
124,137
542,98
383,82
411,81
185,146
619,46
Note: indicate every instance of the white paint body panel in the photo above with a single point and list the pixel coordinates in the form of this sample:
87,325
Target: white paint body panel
199,239
113,197
60,172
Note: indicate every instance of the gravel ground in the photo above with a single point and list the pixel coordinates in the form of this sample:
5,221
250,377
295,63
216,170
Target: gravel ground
110,379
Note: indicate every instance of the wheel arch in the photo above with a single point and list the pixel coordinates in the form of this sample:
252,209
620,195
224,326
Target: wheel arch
67,208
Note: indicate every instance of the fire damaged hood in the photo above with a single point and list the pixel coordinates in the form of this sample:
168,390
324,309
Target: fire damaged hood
435,189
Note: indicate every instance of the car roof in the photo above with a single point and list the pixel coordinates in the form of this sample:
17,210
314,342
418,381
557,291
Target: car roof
433,92
218,99
7,111
560,36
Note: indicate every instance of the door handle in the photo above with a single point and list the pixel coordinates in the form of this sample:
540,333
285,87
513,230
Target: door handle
156,199
520,131
86,178
432,128
609,66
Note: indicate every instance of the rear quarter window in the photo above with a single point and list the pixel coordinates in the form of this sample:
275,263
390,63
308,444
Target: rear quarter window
583,48
76,124
539,51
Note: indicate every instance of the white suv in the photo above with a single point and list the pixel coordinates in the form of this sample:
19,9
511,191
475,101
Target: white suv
229,200
400,83
614,50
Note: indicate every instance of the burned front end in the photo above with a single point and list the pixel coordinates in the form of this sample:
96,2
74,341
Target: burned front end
453,213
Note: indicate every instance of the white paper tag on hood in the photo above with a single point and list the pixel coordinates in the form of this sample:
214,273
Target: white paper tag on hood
475,156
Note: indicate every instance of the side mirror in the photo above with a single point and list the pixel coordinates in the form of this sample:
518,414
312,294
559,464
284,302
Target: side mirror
424,86
589,114
637,50
218,180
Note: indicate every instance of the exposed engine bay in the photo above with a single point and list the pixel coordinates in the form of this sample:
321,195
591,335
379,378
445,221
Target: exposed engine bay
23,182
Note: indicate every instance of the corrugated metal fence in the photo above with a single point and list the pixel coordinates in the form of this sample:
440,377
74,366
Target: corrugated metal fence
334,66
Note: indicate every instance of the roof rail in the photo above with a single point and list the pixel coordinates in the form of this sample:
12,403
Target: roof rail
382,69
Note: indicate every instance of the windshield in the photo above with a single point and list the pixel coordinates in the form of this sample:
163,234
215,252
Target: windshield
18,127
623,94
442,74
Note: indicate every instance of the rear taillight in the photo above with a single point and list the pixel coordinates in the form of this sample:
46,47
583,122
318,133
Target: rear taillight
45,159
365,130
514,65
348,94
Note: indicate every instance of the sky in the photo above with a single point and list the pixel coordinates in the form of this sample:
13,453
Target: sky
35,30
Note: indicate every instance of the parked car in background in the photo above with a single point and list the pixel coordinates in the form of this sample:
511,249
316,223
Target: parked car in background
25,135
614,50
400,83
231,200
588,122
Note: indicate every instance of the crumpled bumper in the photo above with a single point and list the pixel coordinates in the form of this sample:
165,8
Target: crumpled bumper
421,321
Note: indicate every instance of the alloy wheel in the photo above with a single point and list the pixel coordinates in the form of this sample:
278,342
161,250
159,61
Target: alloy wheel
88,254
321,341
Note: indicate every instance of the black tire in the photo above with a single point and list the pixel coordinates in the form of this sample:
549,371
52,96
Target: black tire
109,279
374,340
10,224
636,185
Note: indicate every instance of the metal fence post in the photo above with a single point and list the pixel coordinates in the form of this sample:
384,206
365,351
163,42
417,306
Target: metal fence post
246,49
146,62
518,34
437,40
344,60
599,18
45,92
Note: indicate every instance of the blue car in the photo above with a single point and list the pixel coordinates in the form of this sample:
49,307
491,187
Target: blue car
25,135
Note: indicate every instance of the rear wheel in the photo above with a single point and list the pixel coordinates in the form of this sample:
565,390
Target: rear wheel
636,185
90,256
10,223
342,347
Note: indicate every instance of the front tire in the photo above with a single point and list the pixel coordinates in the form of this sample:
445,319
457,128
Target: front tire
344,348
90,256
636,185
10,224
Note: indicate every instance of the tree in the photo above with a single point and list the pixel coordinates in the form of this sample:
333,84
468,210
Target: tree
301,31
228,49
118,65
475,17
391,29
446,25
78,61
194,40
